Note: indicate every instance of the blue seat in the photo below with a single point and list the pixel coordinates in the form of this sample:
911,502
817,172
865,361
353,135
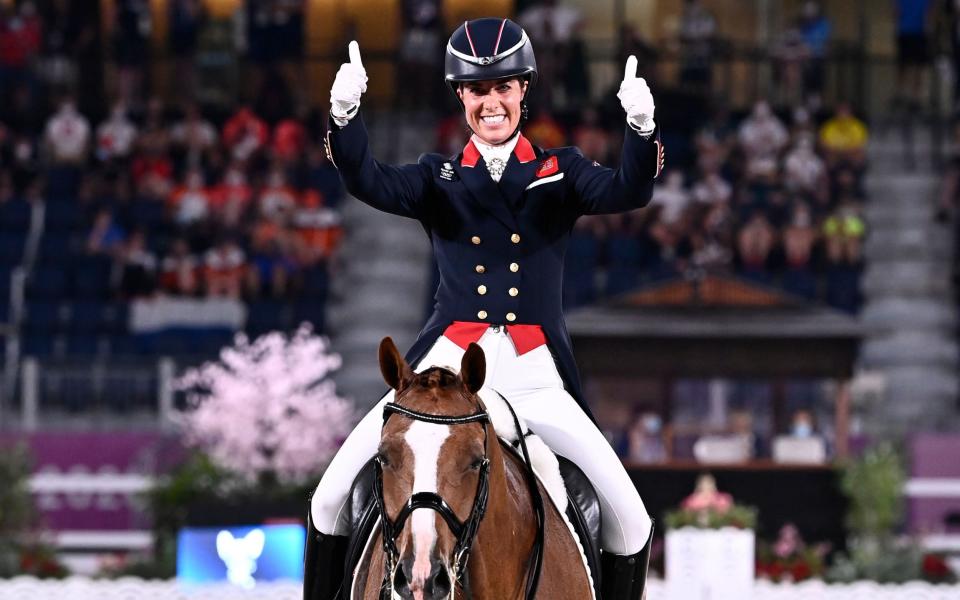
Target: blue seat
38,345
266,315
47,282
83,345
311,312
55,249
316,282
63,181
42,317
62,216
91,277
15,216
148,214
12,247
4,311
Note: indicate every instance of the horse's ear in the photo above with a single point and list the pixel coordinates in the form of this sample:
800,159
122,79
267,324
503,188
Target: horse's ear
394,368
473,368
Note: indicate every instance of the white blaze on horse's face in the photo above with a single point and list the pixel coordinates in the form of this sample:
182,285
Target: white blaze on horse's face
425,441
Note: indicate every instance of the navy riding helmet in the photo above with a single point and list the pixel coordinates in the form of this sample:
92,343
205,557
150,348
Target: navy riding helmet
489,48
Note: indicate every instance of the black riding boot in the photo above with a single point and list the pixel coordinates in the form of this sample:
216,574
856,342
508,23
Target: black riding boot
323,564
625,577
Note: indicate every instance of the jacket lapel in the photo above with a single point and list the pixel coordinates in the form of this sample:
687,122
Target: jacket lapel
519,172
473,171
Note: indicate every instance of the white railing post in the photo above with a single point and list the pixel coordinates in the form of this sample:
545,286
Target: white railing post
165,376
30,395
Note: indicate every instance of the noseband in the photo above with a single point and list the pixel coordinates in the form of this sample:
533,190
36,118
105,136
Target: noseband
464,531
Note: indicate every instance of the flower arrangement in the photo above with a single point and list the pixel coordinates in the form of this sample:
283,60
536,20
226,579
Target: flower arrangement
789,558
267,410
709,508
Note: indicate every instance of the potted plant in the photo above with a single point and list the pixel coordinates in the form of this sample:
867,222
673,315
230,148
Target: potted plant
789,558
710,546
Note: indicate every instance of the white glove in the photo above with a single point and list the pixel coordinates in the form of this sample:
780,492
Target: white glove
350,83
636,99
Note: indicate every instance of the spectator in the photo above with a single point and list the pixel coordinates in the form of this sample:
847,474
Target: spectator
67,135
138,267
224,268
116,136
277,199
696,37
20,39
186,19
271,259
590,137
105,236
816,29
179,270
288,140
420,50
645,439
317,228
232,198
132,24
762,136
550,26
912,52
843,232
755,242
844,138
671,198
190,203
545,131
712,189
804,171
799,238
245,134
712,241
152,170
193,137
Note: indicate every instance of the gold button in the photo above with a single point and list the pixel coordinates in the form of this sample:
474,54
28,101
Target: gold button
513,291
515,238
481,289
514,267
481,269
511,317
475,239
482,314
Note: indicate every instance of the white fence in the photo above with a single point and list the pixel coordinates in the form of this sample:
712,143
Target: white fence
77,588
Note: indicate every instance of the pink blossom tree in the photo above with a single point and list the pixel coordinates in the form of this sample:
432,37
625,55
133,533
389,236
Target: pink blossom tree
267,409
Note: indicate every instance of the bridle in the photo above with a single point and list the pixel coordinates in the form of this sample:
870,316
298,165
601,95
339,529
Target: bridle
464,531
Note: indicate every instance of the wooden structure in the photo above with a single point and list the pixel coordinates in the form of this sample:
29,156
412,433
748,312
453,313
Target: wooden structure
718,327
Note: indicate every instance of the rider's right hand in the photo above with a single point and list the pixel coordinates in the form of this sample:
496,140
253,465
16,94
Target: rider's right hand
350,83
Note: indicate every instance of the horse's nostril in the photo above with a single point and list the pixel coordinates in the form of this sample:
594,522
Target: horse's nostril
439,585
402,579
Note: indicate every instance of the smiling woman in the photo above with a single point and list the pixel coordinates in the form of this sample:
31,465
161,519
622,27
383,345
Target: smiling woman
493,108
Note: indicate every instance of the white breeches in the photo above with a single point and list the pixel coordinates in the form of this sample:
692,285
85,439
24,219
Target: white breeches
535,389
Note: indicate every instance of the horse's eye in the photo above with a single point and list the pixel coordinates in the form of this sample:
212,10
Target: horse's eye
383,460
475,465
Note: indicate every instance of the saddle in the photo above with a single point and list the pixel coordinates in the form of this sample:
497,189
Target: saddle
583,510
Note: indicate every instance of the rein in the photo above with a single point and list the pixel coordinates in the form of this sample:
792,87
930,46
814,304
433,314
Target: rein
464,531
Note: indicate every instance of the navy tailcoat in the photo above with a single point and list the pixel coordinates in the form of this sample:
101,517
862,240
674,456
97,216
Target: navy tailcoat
499,246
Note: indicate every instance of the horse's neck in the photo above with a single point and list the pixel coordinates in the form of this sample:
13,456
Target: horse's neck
499,561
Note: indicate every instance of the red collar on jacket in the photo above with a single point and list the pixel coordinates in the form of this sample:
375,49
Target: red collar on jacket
523,151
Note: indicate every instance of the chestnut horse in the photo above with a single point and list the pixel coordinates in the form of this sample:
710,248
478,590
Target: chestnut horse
459,508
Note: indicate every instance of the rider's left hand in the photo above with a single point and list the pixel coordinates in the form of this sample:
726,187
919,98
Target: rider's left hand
636,99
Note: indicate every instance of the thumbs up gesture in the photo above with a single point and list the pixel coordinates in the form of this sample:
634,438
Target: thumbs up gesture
350,83
636,99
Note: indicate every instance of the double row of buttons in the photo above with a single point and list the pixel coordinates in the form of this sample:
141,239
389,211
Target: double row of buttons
482,289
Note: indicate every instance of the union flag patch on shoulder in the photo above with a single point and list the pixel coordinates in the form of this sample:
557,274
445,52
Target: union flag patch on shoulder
548,167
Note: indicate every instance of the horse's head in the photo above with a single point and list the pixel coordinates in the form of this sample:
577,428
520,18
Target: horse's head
432,472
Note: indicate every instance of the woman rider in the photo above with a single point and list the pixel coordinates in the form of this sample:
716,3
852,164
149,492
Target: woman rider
498,216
